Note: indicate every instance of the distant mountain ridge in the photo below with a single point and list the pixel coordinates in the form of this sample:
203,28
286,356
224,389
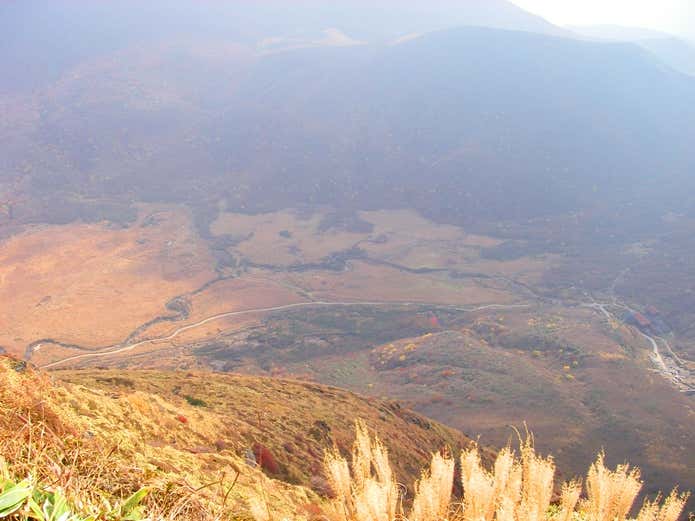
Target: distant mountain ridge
673,51
56,36
618,32
459,117
388,20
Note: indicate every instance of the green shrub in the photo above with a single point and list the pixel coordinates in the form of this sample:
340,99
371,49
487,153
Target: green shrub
195,402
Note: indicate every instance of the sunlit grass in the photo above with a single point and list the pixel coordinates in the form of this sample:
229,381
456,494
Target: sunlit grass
519,487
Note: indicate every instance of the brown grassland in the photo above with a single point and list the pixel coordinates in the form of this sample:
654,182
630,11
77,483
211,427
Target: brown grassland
91,285
186,436
265,245
365,282
297,421
126,281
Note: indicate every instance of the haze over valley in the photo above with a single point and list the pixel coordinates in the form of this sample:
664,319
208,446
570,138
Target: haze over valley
455,208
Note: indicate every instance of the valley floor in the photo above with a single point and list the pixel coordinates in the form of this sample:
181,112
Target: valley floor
398,307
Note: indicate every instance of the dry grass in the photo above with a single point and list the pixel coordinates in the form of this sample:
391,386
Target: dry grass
102,435
433,491
518,488
98,448
296,421
264,244
44,444
369,492
91,285
366,282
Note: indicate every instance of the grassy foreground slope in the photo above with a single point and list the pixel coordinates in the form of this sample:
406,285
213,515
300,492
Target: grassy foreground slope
295,421
102,445
190,440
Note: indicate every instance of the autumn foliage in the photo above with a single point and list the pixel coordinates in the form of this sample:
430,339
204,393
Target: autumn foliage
265,458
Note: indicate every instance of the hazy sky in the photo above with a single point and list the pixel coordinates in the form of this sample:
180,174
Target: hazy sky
675,16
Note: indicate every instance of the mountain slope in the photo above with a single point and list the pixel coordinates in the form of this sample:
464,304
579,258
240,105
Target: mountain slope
56,37
75,452
461,117
387,20
674,52
187,435
296,421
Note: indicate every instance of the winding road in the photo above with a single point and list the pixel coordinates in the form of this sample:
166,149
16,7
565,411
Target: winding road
670,373
656,354
177,332
666,370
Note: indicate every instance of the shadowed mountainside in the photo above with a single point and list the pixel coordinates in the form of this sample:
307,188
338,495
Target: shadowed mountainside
56,37
459,117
